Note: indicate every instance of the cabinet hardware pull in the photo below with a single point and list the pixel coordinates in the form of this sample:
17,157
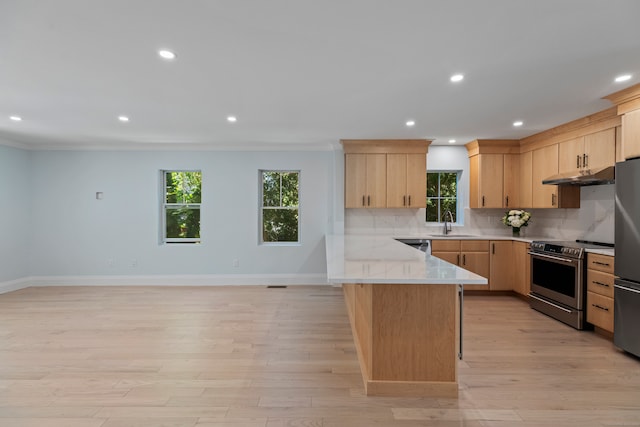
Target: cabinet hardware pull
464,259
507,200
483,201
601,263
600,307
404,200
553,200
578,161
600,283
363,204
368,200
458,261
493,248
584,160
409,199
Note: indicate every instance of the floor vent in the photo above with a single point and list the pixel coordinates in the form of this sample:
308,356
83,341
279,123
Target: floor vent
276,287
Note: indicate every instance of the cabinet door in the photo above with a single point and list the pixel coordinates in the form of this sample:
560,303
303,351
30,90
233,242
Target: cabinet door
501,266
490,176
600,149
416,180
631,134
511,181
526,180
544,164
355,180
476,262
397,180
450,257
376,180
522,268
570,155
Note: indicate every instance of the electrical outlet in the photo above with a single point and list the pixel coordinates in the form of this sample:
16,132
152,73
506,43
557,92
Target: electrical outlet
236,262
110,262
134,263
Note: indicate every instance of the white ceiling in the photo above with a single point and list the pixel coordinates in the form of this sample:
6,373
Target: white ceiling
305,73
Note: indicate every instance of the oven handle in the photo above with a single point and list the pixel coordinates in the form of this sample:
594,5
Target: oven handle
550,303
624,288
556,258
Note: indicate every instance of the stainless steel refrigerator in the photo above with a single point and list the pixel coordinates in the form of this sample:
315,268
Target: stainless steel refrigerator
626,311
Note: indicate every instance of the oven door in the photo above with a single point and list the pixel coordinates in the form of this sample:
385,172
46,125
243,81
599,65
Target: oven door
557,278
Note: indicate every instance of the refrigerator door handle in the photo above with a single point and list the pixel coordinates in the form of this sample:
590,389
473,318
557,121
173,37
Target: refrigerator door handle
625,288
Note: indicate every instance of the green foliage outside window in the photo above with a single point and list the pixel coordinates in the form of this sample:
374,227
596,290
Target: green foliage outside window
442,195
280,193
182,198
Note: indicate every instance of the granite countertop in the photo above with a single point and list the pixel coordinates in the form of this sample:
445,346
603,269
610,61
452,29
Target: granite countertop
382,259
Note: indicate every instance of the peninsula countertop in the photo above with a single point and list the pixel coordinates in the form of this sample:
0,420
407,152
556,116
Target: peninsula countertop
382,259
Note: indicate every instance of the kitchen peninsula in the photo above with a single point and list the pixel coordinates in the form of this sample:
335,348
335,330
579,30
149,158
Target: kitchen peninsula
404,311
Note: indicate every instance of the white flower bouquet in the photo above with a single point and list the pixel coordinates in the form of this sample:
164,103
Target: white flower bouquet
516,219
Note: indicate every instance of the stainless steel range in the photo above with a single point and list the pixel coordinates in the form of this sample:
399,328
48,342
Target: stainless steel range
558,279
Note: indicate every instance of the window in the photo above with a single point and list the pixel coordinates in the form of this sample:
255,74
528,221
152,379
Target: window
442,195
182,195
279,206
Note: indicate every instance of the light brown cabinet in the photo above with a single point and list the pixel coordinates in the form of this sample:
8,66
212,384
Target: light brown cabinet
501,265
600,300
406,181
365,181
522,268
545,164
472,255
385,173
494,173
592,151
631,134
526,180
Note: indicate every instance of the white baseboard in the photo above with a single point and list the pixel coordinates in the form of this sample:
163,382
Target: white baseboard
181,280
14,285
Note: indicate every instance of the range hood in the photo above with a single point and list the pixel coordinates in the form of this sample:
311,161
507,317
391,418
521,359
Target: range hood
584,177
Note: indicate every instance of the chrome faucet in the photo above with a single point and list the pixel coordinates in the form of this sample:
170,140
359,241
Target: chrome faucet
447,225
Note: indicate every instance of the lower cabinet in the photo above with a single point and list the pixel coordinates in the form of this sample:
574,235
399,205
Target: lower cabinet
502,266
522,267
600,281
472,255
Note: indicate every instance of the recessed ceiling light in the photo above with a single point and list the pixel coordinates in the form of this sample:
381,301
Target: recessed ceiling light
410,123
518,123
623,78
457,77
166,54
452,141
123,118
232,119
15,118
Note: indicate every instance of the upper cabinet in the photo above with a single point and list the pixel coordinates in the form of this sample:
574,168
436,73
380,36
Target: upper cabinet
544,163
385,173
494,173
628,106
365,180
406,180
591,151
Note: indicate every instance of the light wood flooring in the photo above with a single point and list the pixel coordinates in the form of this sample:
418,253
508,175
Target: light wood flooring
258,357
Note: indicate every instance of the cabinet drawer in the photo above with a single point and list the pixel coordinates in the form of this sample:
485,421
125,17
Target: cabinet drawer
600,263
600,311
600,283
474,245
445,245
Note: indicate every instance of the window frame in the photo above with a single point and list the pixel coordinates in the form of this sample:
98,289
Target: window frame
261,207
439,197
164,206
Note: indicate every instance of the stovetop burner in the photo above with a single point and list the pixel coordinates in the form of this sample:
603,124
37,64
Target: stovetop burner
571,249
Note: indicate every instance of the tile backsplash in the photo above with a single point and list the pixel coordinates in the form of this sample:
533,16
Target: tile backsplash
593,221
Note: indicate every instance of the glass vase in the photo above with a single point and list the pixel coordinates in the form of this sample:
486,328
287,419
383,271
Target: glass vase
515,231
